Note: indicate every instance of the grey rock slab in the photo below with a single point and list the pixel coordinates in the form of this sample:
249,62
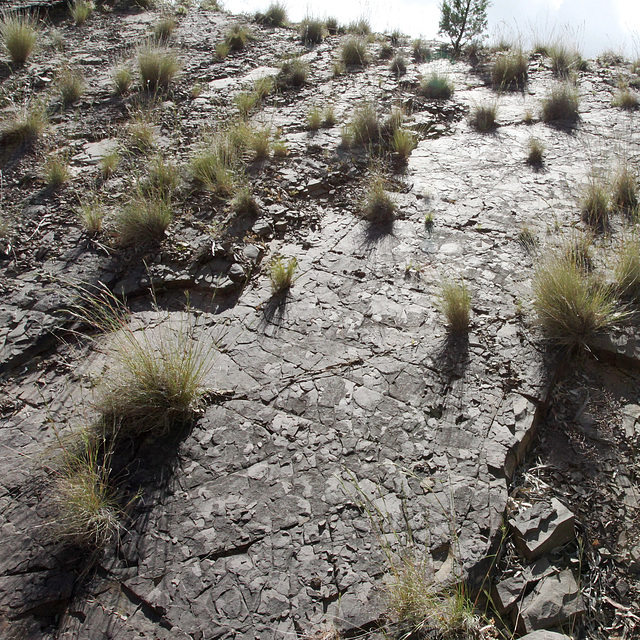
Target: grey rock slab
555,601
545,634
543,527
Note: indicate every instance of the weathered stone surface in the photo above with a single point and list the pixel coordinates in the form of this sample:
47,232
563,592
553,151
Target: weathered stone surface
545,634
555,601
543,527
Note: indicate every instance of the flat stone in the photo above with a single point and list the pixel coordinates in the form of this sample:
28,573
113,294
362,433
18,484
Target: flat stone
542,528
545,634
555,601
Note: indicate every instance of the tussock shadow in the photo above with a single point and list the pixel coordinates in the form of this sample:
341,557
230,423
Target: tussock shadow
452,355
569,126
274,312
377,231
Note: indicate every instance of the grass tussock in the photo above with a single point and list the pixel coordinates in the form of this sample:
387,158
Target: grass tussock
243,203
312,31
55,171
572,306
577,252
70,85
420,51
627,270
293,73
24,126
281,274
510,70
561,105
81,11
122,79
91,216
88,513
158,66
163,177
484,118
398,65
234,40
365,127
377,205
274,16
353,53
156,379
360,27
436,87
595,205
164,28
624,193
143,221
141,133
535,156
421,609
403,143
455,303
318,118
564,60
626,99
108,164
19,35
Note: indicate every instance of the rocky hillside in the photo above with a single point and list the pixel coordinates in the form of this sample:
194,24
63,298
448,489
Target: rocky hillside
319,335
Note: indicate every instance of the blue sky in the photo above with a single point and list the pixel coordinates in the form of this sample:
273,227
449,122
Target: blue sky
594,25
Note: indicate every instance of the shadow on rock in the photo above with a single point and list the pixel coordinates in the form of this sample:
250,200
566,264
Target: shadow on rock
274,311
452,356
377,231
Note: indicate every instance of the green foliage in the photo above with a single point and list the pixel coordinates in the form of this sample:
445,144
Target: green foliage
436,87
332,26
365,126
624,195
236,38
243,202
564,59
572,306
561,105
81,10
91,216
158,66
317,118
141,133
19,35
162,179
354,53
360,27
462,21
281,272
455,303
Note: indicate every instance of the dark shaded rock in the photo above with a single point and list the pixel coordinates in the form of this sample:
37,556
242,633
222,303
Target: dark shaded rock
556,600
545,634
542,528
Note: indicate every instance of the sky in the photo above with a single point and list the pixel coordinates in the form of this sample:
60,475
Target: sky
592,25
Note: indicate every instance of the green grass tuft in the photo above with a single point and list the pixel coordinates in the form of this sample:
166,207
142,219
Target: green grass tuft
158,67
627,269
484,118
354,53
510,70
436,87
561,105
595,205
19,35
143,221
81,11
281,272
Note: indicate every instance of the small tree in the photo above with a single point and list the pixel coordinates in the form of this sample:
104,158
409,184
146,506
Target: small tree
463,20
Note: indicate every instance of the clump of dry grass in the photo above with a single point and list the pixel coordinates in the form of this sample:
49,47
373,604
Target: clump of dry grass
81,11
281,274
627,270
157,65
595,205
436,87
455,303
353,53
25,125
510,70
19,35
293,73
56,170
122,79
403,143
572,306
535,156
626,99
70,84
484,117
561,105
91,216
377,206
144,220
274,16
624,195
312,31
